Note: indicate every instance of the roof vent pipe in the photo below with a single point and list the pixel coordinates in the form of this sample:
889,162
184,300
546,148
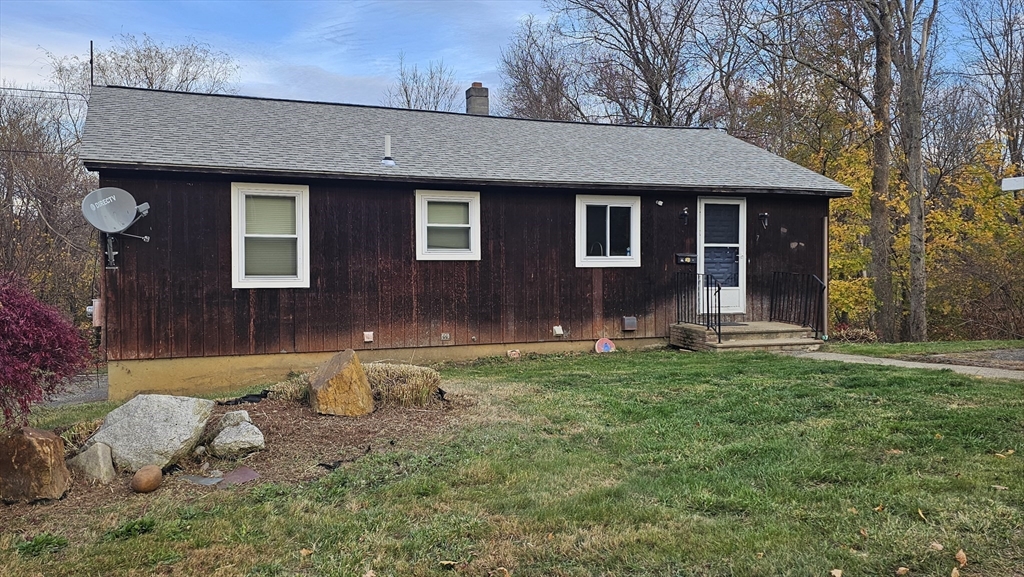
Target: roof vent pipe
387,161
476,100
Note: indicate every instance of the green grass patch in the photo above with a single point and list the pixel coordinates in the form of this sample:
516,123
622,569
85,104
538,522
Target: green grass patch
656,463
130,529
40,544
931,348
49,418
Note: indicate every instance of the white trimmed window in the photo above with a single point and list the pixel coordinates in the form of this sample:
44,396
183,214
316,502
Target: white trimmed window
607,231
447,225
269,235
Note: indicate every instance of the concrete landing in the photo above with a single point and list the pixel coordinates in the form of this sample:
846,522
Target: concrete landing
751,336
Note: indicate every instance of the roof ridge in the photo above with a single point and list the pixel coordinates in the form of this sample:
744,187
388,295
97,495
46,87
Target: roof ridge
392,108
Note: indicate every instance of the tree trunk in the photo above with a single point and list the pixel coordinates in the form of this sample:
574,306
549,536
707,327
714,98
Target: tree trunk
910,103
911,63
886,319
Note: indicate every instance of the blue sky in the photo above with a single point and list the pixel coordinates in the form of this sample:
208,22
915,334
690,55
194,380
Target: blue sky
311,50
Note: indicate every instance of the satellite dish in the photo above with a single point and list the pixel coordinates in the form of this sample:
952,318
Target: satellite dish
110,209
113,211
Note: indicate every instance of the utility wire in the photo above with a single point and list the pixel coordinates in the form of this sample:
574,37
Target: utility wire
62,92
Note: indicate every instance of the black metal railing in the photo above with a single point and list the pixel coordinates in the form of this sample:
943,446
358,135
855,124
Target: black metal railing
798,299
699,301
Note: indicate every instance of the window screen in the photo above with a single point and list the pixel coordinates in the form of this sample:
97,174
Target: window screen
448,225
271,243
608,230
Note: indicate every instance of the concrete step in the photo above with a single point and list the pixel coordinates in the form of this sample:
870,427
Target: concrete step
761,333
769,344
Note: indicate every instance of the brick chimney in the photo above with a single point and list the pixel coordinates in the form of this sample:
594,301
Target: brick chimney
477,101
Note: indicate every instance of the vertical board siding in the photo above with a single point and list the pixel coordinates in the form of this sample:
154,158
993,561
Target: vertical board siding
172,297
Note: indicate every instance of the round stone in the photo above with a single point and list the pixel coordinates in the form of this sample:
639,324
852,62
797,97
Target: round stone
147,479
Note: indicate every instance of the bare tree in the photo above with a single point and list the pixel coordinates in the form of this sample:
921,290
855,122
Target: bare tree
955,123
143,63
42,235
645,64
542,75
435,89
995,30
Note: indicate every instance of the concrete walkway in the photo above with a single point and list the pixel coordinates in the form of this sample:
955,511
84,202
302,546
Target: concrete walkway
962,369
84,388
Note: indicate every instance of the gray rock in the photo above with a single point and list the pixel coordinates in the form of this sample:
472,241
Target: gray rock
237,440
95,464
153,430
228,419
233,418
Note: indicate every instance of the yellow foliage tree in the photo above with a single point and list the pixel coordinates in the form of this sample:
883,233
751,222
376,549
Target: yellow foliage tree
976,238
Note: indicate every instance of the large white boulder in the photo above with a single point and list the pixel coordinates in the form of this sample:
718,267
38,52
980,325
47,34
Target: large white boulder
153,430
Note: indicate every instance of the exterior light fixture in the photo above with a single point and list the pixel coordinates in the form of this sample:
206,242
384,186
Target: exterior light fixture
763,217
388,161
685,216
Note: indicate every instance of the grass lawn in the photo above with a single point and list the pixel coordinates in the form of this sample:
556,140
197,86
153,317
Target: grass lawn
658,463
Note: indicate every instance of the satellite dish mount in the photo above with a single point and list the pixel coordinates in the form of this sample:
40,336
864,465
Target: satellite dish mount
113,211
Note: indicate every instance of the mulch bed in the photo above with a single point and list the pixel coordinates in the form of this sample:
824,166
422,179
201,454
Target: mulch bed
297,441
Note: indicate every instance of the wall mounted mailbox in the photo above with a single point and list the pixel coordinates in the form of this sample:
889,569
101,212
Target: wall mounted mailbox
686,258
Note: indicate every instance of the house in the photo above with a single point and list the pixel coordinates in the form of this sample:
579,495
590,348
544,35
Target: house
280,233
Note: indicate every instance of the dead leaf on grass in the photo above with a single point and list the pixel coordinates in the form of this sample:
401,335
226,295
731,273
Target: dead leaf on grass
306,552
836,573
961,557
903,571
1008,452
863,532
935,546
938,435
999,487
879,508
370,573
955,572
921,513
894,452
852,510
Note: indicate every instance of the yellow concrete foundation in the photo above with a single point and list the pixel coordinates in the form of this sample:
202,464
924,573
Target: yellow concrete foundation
201,375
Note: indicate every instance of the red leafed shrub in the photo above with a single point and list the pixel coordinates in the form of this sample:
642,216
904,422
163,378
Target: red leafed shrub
39,350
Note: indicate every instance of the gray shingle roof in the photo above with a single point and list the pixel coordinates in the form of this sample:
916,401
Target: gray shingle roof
144,128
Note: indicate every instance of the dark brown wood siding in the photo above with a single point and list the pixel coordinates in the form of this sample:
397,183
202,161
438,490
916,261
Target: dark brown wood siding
172,297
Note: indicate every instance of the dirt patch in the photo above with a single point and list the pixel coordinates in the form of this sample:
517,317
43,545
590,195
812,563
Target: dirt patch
1009,359
297,441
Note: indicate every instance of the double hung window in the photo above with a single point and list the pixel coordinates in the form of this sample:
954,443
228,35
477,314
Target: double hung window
447,225
270,235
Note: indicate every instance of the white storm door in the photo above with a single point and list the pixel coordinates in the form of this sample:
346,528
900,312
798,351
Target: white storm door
721,248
